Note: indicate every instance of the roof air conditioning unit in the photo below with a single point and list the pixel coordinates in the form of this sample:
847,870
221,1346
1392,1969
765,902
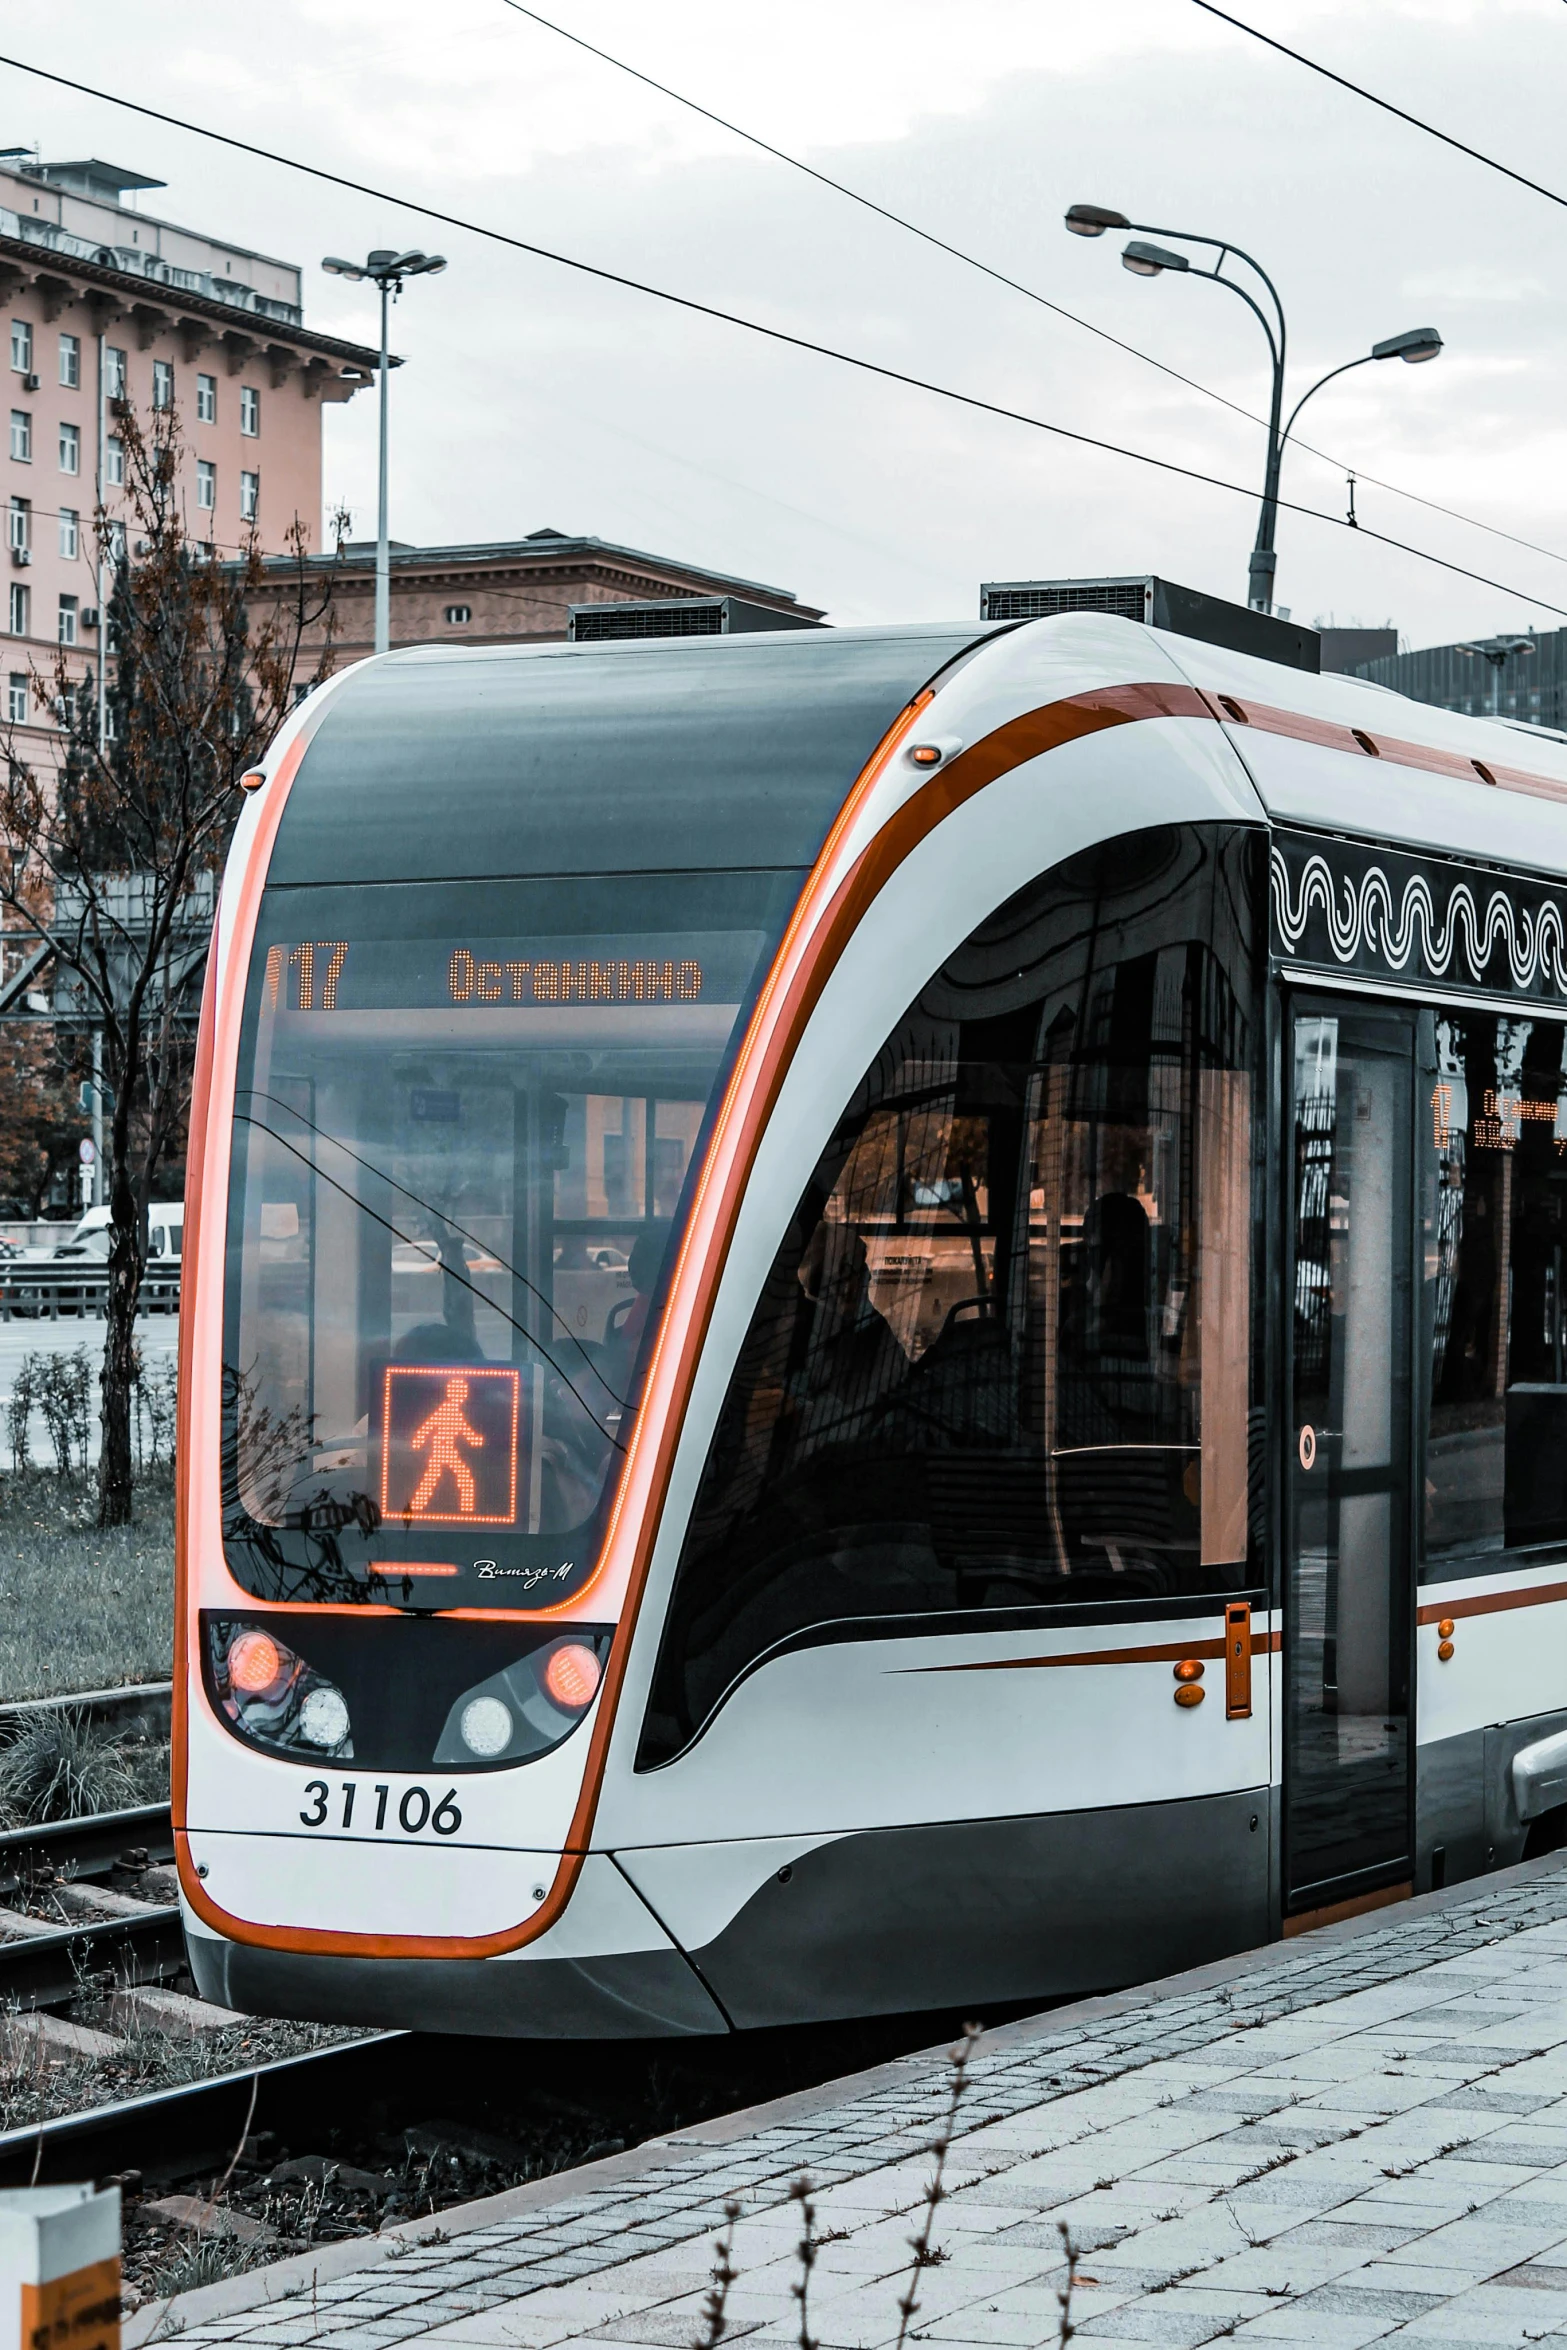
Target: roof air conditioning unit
30,383
597,624
1158,603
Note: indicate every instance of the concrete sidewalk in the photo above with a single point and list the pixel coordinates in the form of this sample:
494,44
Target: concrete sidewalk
1359,2133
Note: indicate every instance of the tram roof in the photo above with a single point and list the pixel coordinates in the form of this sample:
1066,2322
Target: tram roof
723,753
703,754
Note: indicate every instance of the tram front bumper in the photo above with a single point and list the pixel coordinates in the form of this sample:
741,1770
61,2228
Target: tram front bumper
612,1995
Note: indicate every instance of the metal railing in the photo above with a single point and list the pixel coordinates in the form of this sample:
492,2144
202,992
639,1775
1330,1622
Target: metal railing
46,1292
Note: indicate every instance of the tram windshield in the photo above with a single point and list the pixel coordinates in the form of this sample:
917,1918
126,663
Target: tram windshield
466,1118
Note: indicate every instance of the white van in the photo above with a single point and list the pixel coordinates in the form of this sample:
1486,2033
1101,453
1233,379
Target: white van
165,1231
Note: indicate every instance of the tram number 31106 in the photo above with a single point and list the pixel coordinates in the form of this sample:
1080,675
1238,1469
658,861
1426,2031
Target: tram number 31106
414,1812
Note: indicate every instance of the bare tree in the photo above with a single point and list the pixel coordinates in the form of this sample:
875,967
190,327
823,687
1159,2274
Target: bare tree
112,856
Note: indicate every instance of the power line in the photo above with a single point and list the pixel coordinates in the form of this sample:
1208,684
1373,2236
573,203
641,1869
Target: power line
772,334
1015,285
882,211
1415,121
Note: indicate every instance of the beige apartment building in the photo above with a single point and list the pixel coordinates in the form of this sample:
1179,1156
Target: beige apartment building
105,308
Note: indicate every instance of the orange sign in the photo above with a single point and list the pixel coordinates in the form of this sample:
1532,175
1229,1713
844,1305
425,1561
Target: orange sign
449,1445
79,2311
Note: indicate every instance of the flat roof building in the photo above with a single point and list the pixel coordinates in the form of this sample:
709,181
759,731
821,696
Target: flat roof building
1520,675
516,590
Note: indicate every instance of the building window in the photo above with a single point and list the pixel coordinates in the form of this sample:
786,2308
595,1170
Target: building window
249,496
67,620
206,399
22,346
458,615
114,461
21,436
71,362
19,529
163,383
114,376
16,697
114,542
249,411
70,533
70,448
21,608
206,485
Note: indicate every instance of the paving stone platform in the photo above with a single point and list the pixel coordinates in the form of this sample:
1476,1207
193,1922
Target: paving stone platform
1357,2134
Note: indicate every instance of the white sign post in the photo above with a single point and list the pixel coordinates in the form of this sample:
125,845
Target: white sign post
60,2268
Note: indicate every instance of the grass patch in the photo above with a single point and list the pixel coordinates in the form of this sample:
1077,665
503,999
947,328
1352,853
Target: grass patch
80,1609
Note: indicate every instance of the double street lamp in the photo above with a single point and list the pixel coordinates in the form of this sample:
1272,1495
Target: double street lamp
385,269
1149,260
1498,650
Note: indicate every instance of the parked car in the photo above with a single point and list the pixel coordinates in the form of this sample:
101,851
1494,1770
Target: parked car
165,1232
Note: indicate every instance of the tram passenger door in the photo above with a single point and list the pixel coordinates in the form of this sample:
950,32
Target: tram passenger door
1349,1569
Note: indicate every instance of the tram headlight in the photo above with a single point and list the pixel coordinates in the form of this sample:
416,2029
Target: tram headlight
256,1663
571,1675
323,1717
485,1726
529,1706
273,1695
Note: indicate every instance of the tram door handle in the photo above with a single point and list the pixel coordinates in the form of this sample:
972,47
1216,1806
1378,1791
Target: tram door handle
1237,1660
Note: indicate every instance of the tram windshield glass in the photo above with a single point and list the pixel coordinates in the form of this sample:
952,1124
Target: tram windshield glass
466,1119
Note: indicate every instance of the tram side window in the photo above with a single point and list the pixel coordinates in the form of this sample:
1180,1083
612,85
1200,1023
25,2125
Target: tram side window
1002,1357
1494,1146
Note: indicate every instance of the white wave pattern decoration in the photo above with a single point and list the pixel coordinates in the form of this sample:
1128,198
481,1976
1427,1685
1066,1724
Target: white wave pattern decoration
1363,919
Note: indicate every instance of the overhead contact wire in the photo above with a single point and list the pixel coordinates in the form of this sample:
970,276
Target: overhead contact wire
1400,113
774,334
1014,285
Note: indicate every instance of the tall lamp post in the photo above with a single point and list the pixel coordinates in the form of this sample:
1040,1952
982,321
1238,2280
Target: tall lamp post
1145,260
385,269
1498,650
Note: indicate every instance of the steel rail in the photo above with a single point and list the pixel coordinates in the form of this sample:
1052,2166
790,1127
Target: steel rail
144,1705
177,2131
75,1847
48,1969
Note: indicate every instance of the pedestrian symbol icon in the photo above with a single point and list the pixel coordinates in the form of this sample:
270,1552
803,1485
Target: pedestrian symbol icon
449,1445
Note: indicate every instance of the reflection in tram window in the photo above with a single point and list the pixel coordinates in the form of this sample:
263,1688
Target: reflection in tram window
1002,1357
1494,1146
457,1170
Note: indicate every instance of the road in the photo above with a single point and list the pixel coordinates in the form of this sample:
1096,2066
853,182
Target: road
156,1334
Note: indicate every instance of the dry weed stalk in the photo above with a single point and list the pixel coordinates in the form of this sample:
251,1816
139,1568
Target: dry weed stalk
800,2192
920,2245
1066,2329
715,2307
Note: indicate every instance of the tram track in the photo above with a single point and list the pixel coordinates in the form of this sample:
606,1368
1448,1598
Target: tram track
172,2133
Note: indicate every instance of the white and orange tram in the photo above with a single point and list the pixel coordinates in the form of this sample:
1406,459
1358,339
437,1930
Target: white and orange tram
873,1319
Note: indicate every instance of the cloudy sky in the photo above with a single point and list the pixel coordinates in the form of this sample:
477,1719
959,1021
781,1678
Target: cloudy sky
534,396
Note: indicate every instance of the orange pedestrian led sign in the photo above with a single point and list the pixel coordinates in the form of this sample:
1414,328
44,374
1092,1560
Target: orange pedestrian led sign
449,1445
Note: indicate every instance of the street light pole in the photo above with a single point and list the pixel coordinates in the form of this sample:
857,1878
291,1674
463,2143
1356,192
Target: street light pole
386,270
1145,260
383,547
1498,650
